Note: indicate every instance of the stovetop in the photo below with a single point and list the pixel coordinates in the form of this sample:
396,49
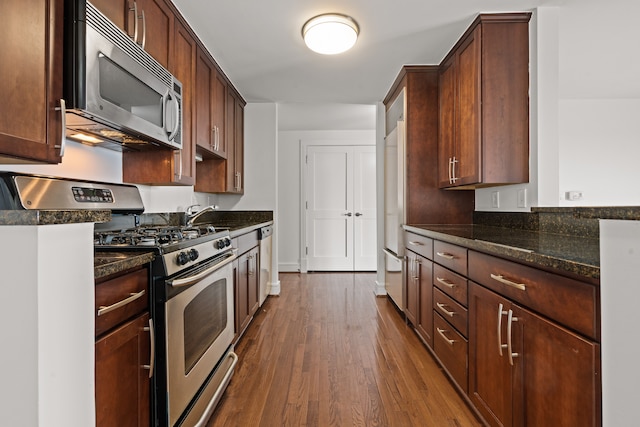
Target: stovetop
165,237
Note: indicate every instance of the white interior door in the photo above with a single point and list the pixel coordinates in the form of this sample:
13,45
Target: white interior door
340,206
364,206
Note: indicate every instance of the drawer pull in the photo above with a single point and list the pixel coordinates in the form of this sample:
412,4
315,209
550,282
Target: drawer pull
500,278
445,255
106,309
444,337
416,243
445,282
444,310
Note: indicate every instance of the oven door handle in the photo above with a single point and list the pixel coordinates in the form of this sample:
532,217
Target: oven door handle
190,280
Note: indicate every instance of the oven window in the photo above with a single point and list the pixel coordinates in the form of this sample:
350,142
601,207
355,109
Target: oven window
205,317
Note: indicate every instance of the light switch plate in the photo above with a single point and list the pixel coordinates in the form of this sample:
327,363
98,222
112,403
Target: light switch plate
522,198
495,199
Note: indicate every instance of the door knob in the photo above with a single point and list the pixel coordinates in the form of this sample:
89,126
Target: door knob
358,214
347,214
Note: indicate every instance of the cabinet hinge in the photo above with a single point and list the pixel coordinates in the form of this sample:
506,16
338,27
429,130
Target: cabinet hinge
306,250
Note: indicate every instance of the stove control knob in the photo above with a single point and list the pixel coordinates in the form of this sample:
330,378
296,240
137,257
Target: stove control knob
218,244
227,241
193,254
182,258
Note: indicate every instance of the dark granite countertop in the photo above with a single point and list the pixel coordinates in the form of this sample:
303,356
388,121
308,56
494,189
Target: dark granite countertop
569,255
108,263
41,217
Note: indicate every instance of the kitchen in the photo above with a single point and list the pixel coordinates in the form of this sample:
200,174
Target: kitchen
562,111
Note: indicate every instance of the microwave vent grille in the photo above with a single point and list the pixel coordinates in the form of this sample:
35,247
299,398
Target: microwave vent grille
115,35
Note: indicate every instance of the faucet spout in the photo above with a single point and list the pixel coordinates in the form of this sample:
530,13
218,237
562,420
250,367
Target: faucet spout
191,218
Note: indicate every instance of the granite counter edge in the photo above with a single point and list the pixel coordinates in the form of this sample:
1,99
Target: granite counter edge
548,263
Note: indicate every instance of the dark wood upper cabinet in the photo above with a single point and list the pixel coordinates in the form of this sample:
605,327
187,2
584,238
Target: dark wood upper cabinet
484,105
210,95
425,202
31,68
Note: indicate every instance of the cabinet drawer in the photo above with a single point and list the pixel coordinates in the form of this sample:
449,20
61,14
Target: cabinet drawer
451,256
419,244
121,298
245,242
450,310
451,348
567,301
451,283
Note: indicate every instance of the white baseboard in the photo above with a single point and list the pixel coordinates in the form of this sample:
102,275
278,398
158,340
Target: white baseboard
380,290
289,268
274,288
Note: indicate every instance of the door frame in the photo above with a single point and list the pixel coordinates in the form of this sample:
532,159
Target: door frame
304,145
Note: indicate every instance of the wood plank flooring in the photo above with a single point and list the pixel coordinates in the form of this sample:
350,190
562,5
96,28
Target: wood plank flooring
327,352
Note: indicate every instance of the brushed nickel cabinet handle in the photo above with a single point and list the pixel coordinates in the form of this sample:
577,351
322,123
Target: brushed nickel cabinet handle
135,21
453,167
510,320
444,310
63,113
500,278
501,313
109,308
413,243
144,30
444,337
450,174
445,282
417,268
152,356
445,255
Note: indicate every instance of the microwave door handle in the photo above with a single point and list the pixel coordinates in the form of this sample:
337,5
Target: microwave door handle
176,116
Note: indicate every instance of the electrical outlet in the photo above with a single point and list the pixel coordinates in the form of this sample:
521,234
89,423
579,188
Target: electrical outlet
522,198
573,195
495,199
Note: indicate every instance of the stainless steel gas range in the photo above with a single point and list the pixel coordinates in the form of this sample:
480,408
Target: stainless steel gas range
192,310
192,303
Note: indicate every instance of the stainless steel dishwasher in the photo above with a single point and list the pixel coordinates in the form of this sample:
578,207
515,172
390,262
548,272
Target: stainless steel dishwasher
264,237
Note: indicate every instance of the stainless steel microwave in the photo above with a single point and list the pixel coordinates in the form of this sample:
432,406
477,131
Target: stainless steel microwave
116,94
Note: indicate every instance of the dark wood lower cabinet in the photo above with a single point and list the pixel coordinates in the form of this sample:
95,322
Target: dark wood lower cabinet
247,287
525,370
122,382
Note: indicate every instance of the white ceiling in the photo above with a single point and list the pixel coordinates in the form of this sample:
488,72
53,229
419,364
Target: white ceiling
259,46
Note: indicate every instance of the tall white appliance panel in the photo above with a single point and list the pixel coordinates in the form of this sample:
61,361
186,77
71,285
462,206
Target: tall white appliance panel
394,197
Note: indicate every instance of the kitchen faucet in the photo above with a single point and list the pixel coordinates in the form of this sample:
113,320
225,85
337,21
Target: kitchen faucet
192,217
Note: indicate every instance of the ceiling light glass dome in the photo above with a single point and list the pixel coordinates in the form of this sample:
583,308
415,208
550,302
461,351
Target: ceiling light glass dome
330,33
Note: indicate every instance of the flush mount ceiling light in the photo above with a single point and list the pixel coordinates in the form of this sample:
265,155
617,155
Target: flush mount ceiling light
330,33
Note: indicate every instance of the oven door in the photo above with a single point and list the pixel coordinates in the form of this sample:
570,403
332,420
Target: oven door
199,325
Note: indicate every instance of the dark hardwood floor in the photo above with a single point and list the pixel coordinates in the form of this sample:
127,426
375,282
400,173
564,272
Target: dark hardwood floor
327,352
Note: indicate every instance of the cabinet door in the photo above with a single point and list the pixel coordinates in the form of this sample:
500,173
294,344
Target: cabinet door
467,138
447,130
122,381
238,147
219,94
253,279
157,27
31,69
230,135
241,293
425,318
204,128
412,288
491,377
561,378
183,67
